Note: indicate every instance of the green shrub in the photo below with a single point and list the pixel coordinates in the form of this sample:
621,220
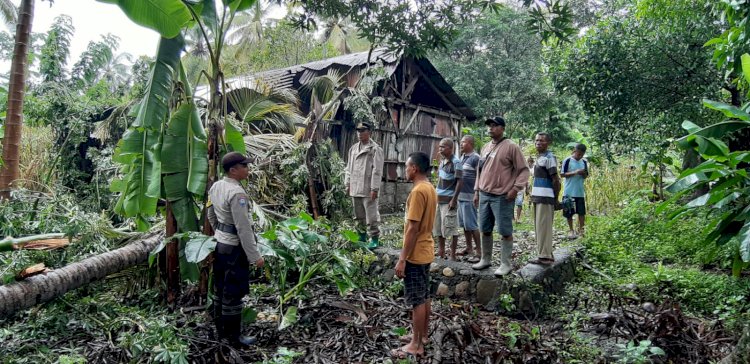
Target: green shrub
664,259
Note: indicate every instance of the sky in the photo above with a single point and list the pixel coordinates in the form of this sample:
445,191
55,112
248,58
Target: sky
91,20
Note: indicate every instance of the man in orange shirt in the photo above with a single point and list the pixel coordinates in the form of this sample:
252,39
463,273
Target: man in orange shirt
413,265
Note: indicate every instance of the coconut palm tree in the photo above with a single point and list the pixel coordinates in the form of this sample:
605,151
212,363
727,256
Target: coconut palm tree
247,28
8,13
338,32
16,89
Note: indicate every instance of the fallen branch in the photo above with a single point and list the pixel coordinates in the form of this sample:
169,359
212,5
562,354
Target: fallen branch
11,243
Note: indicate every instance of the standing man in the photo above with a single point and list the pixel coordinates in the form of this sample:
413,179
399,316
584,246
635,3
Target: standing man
364,172
502,175
544,194
575,169
413,264
467,212
448,187
236,248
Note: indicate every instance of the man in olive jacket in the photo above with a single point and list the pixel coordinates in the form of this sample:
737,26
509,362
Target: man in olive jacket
364,172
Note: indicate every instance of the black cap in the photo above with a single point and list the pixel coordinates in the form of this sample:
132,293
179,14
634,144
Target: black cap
497,120
363,125
233,158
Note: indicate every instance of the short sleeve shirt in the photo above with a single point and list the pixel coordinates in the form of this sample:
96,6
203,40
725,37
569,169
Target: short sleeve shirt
469,166
544,168
449,172
574,185
421,206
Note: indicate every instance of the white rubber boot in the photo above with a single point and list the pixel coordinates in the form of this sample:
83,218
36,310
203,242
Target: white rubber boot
486,259
506,250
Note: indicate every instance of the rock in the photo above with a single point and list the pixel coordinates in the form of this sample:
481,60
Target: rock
525,303
448,272
486,290
649,307
466,272
434,267
388,274
462,289
442,290
628,287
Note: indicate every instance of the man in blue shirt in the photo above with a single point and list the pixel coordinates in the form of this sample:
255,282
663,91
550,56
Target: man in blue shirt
575,169
449,186
467,212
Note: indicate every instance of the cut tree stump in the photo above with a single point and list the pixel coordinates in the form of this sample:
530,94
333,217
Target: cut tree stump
44,287
32,271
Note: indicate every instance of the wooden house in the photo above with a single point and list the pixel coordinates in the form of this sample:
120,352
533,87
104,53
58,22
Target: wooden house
422,108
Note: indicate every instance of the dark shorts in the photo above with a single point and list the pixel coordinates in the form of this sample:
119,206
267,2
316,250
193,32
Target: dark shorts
417,287
577,207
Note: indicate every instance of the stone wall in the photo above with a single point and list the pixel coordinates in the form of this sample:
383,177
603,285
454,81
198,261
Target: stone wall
523,291
393,196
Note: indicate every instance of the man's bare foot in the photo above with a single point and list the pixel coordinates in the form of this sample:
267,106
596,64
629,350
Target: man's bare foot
466,251
407,339
452,257
407,350
441,254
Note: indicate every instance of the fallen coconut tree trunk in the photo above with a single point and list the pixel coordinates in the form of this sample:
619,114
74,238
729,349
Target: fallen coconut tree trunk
42,288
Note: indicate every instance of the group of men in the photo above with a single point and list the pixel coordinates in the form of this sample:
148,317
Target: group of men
476,192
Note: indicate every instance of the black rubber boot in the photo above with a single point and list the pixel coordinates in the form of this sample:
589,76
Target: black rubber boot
232,329
218,320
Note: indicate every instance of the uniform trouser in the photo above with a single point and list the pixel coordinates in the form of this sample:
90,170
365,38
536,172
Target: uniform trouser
231,283
543,214
366,213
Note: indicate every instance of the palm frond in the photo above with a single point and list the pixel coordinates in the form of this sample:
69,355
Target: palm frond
264,109
9,13
324,87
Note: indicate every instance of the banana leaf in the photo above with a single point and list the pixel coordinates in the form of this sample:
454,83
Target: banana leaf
139,149
167,17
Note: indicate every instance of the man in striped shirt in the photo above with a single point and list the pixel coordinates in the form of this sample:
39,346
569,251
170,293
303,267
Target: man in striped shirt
448,187
544,194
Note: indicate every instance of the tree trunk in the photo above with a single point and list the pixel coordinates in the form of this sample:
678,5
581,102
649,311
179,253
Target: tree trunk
13,123
44,287
173,258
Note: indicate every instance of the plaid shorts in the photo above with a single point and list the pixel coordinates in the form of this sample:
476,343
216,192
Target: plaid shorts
417,287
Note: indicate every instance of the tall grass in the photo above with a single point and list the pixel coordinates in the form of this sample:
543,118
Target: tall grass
609,184
37,154
36,157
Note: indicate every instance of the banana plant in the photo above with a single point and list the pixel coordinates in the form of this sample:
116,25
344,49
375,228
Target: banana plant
168,123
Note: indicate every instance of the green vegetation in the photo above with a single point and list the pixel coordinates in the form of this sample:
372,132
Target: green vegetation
109,139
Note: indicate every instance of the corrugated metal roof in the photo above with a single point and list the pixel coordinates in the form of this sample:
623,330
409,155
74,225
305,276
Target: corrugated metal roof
295,76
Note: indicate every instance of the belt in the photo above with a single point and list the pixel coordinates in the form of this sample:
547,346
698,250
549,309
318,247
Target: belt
227,228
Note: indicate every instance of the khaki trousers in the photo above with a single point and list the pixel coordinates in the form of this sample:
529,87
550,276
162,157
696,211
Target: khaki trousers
543,214
366,213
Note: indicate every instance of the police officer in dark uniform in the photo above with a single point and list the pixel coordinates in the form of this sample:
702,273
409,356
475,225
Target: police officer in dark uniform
236,248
